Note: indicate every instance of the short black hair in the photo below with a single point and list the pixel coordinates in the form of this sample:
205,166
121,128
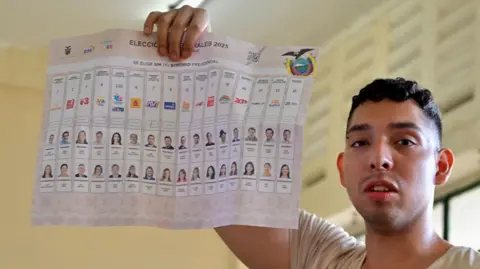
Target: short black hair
399,90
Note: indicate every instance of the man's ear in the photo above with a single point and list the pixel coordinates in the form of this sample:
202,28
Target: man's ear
340,168
445,162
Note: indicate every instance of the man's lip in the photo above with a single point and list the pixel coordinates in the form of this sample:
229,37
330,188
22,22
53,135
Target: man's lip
381,182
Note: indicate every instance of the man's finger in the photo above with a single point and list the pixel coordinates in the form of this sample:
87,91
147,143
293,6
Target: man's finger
177,29
197,26
150,22
163,22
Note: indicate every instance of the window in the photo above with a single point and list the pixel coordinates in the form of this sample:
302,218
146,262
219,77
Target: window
463,222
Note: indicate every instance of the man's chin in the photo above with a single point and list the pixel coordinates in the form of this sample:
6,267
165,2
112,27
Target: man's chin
384,219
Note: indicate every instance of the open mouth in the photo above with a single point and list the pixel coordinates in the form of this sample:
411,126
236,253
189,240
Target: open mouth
380,189
380,186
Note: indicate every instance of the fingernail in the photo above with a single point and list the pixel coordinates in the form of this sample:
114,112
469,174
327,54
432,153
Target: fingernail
173,57
163,51
146,30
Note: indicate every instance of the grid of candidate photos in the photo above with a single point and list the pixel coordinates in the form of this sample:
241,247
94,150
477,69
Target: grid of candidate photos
112,130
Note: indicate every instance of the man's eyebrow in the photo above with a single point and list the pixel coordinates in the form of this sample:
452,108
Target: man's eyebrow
404,125
359,128
393,125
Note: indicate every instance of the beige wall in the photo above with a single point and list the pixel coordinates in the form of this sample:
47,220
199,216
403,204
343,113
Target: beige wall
24,247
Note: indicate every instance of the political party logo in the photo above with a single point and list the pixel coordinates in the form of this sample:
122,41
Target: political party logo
240,100
68,50
224,99
84,101
108,44
301,64
89,49
258,103
100,101
199,104
274,103
118,100
291,103
186,106
70,104
169,105
118,103
152,104
211,101
135,103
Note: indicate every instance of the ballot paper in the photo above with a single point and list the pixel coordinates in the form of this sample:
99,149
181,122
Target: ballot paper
130,138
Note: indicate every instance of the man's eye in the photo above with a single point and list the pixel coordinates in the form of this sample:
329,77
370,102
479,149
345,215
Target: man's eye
357,144
405,142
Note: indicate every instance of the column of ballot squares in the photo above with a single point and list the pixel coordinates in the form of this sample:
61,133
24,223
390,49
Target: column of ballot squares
198,132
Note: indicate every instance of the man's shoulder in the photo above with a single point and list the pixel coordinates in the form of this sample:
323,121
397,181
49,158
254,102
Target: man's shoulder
318,243
459,257
308,220
311,223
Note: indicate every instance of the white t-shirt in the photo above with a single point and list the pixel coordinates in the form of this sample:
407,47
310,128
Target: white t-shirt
318,244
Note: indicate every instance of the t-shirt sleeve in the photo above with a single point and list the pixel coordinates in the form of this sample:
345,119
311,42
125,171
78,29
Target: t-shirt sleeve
319,244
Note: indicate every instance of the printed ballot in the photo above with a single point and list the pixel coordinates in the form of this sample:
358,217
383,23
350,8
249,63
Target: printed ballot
131,138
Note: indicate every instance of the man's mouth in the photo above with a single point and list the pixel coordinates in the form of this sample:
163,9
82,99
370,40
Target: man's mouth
379,189
381,185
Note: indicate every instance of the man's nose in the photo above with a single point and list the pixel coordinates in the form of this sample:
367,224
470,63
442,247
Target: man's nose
381,157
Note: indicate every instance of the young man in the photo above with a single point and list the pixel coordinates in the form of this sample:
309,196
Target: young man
391,164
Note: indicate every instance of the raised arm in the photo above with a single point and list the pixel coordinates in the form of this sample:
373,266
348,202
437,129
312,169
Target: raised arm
315,244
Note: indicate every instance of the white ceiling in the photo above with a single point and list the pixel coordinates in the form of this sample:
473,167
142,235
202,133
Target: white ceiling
309,22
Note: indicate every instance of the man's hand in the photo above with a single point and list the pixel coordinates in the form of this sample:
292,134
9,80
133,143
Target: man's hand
172,25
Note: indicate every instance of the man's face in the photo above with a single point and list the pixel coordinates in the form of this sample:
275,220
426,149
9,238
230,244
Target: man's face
99,137
81,169
133,139
196,139
235,133
269,134
115,169
151,139
183,140
394,143
168,142
65,136
286,135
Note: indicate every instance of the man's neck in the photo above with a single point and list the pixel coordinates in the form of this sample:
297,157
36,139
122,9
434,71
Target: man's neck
416,247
